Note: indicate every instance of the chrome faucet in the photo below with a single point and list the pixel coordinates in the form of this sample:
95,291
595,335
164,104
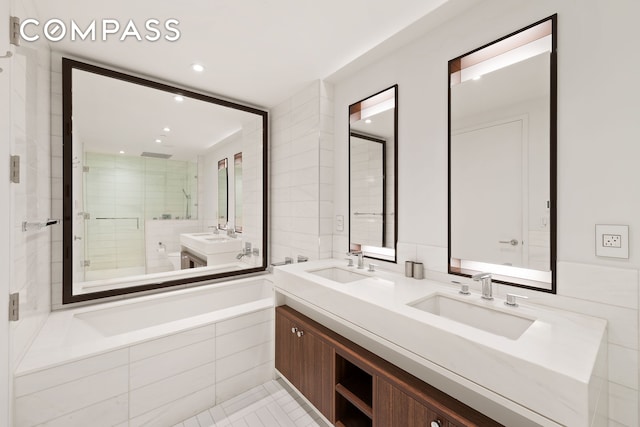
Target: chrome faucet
485,280
246,251
360,258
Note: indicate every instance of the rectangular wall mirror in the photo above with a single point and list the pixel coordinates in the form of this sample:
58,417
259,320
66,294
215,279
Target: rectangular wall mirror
502,159
373,139
237,190
144,197
223,189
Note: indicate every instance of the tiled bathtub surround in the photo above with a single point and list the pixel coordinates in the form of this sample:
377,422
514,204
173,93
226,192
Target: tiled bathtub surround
159,380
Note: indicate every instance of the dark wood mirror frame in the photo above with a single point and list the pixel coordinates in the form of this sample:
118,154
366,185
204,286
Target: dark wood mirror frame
68,65
354,110
455,66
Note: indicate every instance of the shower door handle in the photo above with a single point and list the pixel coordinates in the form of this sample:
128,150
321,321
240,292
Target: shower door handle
77,238
512,242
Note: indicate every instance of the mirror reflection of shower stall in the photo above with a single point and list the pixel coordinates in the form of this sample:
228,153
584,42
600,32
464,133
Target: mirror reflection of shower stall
119,194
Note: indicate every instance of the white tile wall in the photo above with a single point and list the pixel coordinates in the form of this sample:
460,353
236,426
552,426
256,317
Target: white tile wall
26,94
301,188
158,382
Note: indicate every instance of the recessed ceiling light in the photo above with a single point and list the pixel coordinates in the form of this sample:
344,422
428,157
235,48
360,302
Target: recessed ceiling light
159,141
166,129
121,152
197,68
367,121
178,98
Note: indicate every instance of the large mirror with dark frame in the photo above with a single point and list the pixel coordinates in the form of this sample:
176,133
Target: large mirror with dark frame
144,203
502,159
373,142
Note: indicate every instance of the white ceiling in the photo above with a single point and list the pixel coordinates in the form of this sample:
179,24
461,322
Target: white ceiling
111,115
256,51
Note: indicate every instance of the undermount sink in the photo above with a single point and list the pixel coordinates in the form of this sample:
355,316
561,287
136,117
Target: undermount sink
487,318
209,243
216,239
339,275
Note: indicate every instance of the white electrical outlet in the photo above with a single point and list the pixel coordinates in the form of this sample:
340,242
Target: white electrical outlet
612,241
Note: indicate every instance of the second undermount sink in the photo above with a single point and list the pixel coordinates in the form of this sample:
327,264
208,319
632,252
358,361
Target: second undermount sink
339,275
209,243
486,318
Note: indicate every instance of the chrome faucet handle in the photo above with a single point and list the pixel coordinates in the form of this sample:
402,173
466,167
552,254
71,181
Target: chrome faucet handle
480,276
487,288
464,289
350,262
372,267
511,299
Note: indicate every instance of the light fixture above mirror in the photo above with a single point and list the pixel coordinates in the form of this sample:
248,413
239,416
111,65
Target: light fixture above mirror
502,159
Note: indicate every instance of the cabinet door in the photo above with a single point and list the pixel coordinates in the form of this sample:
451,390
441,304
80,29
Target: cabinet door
287,350
316,374
394,408
305,360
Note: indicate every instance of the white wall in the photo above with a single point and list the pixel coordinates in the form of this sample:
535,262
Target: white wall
5,233
29,270
597,119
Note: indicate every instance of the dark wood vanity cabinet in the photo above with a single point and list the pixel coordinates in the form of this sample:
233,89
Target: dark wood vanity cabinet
305,359
353,387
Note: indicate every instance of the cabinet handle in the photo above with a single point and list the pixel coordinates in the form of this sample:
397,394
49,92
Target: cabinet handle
436,423
294,330
300,333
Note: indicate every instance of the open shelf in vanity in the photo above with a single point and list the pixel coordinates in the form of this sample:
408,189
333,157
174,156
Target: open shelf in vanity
354,393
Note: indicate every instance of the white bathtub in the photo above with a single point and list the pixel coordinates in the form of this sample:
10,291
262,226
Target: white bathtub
72,334
220,301
154,360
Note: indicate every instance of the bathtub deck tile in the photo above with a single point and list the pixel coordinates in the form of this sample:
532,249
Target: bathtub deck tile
171,363
242,322
243,339
235,364
47,378
159,394
171,342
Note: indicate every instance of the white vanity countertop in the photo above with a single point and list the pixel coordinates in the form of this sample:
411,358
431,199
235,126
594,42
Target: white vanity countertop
549,369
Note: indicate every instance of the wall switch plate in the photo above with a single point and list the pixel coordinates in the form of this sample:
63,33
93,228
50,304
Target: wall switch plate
612,241
339,223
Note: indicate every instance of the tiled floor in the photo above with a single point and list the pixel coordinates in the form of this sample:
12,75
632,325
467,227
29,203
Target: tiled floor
269,405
